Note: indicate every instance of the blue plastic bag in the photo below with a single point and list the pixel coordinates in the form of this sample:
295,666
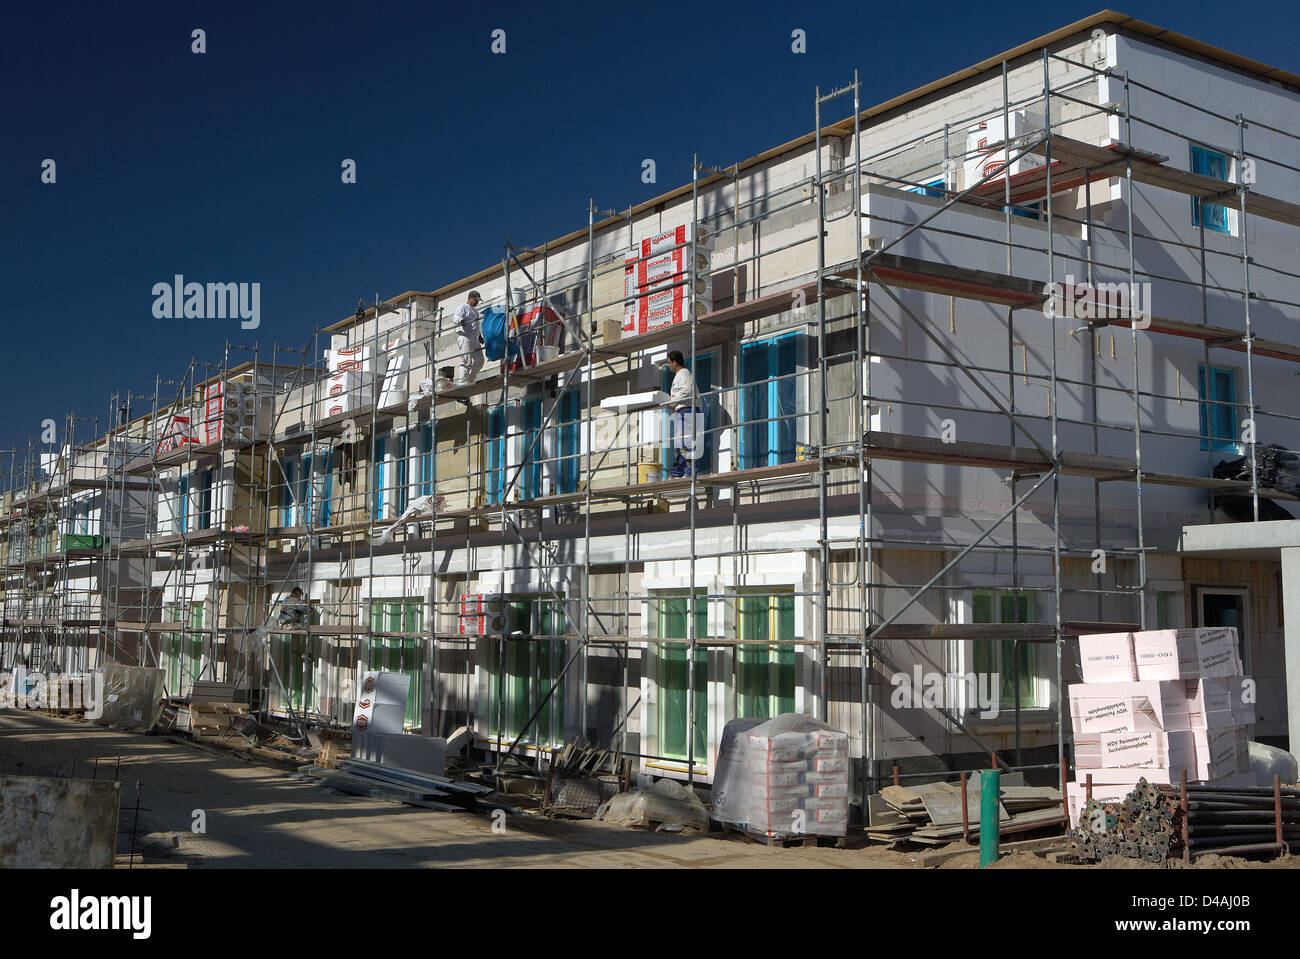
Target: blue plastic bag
494,333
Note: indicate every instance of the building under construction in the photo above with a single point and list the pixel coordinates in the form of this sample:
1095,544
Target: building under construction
968,360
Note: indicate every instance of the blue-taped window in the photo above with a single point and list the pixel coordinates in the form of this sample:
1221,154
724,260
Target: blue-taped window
315,477
380,494
1217,389
496,454
530,481
205,499
183,502
703,368
933,188
305,492
83,516
325,487
767,437
1209,163
287,494
1030,211
427,453
403,478
570,464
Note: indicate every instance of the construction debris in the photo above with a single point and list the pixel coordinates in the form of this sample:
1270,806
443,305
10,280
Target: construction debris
575,784
931,813
361,778
666,802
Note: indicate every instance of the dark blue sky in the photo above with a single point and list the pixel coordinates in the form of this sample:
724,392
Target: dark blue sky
226,166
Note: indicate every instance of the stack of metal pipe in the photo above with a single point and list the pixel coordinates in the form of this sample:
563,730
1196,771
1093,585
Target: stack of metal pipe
1155,822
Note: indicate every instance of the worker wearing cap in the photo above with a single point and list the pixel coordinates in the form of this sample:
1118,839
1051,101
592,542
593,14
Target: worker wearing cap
687,410
469,339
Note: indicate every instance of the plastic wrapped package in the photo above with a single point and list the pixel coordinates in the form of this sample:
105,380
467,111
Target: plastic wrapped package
783,777
133,696
665,801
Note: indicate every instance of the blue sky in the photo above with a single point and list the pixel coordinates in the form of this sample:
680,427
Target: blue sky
225,166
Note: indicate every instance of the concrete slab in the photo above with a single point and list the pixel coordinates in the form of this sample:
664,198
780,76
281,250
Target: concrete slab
50,823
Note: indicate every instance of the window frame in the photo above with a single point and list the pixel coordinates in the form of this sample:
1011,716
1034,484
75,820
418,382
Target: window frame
780,658
748,432
1201,151
680,653
1038,683
1205,377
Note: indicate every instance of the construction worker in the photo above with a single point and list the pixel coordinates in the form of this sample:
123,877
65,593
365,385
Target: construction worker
293,611
687,416
469,339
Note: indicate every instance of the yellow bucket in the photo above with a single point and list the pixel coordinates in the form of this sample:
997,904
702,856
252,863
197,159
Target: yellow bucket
650,472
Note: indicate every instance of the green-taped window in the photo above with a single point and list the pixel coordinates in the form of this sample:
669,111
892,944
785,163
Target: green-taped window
397,646
672,679
765,671
1012,662
522,671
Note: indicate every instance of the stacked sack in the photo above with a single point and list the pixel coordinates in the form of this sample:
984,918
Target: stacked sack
783,777
1154,704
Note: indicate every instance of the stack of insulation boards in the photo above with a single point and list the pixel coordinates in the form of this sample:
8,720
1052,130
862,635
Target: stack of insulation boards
1155,704
930,813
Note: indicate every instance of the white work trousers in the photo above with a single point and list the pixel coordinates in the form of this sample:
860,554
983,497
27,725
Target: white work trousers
471,358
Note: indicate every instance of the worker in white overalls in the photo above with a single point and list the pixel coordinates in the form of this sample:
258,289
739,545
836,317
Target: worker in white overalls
688,416
469,339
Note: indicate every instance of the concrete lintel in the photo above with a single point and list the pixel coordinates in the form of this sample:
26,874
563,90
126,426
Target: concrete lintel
1241,540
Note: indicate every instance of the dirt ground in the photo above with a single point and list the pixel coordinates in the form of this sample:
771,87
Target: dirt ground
260,817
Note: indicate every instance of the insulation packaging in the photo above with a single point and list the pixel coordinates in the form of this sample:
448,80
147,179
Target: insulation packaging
483,624
1107,658
179,432
381,703
349,385
475,604
537,337
1206,755
1186,653
783,777
1132,707
483,614
346,392
658,279
1186,712
985,153
234,411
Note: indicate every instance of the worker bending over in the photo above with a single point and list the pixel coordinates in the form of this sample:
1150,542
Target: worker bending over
687,416
469,339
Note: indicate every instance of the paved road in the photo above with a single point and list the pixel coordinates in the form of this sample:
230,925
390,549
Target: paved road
259,817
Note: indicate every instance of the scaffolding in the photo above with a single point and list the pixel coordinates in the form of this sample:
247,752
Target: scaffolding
525,462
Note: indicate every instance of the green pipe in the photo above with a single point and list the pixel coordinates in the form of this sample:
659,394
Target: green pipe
990,791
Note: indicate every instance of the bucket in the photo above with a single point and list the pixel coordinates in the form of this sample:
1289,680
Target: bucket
650,472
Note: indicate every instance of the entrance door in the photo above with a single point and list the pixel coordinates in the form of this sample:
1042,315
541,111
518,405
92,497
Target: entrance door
1226,607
